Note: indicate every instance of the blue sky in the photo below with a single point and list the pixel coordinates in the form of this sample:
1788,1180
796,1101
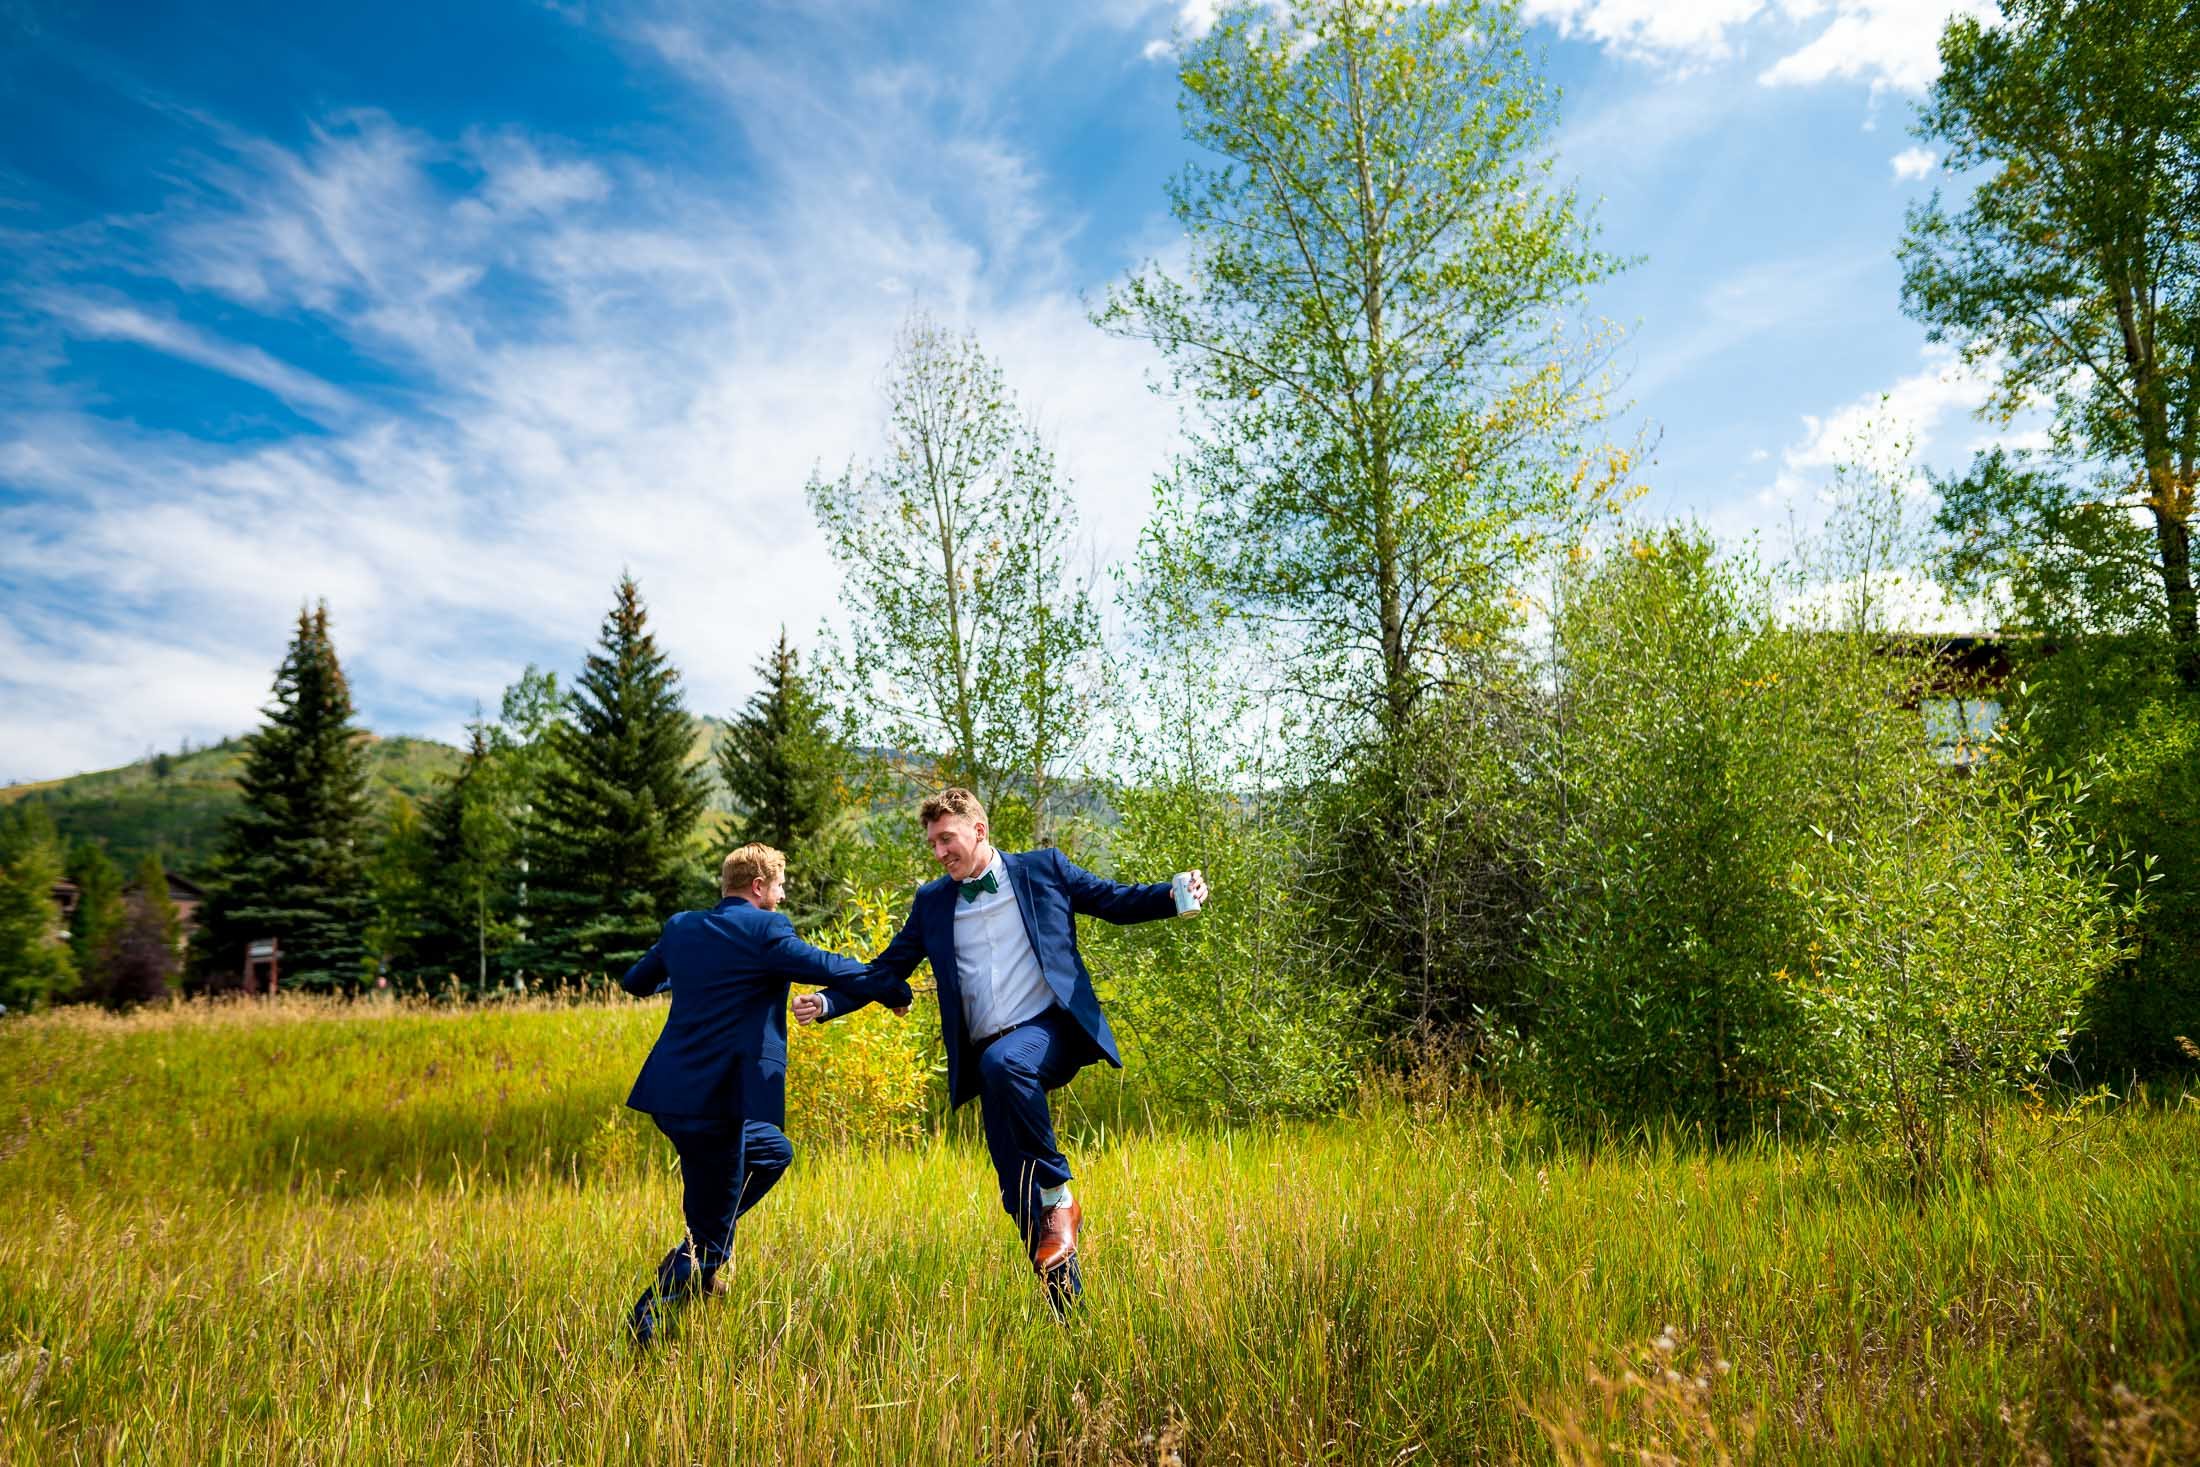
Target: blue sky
449,312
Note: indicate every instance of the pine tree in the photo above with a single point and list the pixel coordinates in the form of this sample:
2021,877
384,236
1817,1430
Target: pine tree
35,965
293,862
98,915
406,891
145,955
617,807
467,847
787,775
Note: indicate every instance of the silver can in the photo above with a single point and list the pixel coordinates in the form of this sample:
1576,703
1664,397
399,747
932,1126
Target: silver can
1180,887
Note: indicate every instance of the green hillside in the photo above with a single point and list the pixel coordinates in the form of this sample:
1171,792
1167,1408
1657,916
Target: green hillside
175,803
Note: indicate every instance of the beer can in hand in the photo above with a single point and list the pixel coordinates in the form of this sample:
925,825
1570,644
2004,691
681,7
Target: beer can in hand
1180,887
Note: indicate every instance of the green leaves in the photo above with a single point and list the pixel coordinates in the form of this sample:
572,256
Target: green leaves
1372,321
2073,269
972,651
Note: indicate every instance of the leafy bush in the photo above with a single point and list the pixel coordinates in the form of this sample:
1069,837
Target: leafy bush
2114,707
866,1077
1243,1010
1951,956
1696,743
1251,1008
1761,896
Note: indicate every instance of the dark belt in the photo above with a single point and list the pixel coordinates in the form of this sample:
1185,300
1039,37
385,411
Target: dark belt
987,1042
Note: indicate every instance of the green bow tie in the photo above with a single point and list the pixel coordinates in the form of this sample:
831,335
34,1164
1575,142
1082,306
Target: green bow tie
984,883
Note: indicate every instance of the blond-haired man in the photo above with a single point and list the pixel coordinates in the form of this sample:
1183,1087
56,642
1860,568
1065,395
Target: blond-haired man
716,1080
1017,1010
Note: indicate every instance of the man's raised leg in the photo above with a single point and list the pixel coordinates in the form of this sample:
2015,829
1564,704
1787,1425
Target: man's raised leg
712,1172
1015,1072
766,1155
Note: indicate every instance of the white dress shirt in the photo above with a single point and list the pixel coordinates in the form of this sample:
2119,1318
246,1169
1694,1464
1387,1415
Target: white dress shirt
994,964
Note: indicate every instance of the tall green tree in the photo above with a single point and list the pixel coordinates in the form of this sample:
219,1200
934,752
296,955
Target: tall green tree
144,957
293,861
2073,269
500,833
614,819
450,875
788,775
406,889
99,912
1376,322
470,846
973,652
35,964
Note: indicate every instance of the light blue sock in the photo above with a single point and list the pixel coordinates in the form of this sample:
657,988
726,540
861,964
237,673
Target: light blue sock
1054,1196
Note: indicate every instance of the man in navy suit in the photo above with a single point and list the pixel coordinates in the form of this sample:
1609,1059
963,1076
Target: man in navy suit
716,1081
1017,1010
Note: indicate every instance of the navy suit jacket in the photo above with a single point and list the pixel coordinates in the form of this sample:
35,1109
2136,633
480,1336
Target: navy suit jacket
1051,892
723,1052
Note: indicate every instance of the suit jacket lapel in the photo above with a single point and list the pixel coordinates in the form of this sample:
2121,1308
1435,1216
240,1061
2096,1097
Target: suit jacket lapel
1019,883
939,945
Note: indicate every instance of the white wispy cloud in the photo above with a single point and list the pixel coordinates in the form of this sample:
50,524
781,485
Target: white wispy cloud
1891,44
1187,20
601,364
1759,299
1890,430
1672,31
1913,163
100,320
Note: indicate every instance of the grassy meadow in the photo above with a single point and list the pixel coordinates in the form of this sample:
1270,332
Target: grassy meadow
309,1233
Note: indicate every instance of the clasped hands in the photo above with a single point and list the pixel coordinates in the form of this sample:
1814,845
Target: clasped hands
810,1007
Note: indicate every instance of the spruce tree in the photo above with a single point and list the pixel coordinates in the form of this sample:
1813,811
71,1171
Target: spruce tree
98,915
616,810
35,965
787,775
293,861
466,841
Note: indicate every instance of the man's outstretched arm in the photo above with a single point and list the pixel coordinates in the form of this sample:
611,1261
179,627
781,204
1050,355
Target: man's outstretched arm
893,966
852,984
649,975
1113,901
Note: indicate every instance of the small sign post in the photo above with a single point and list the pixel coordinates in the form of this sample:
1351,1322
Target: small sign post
262,952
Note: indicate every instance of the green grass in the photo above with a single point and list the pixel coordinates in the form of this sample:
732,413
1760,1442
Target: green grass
317,1234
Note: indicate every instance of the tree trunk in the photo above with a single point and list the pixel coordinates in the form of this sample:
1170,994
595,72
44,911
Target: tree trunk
2167,496
1390,610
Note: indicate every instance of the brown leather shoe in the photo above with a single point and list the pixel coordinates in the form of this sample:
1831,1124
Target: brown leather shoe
1057,1240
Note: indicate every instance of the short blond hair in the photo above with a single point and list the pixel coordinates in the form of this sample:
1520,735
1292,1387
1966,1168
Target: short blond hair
749,863
954,800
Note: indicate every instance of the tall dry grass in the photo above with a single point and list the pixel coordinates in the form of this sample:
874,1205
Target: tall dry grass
318,1234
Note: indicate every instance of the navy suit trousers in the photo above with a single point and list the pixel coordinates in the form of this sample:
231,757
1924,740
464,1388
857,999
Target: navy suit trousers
726,1167
1015,1072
